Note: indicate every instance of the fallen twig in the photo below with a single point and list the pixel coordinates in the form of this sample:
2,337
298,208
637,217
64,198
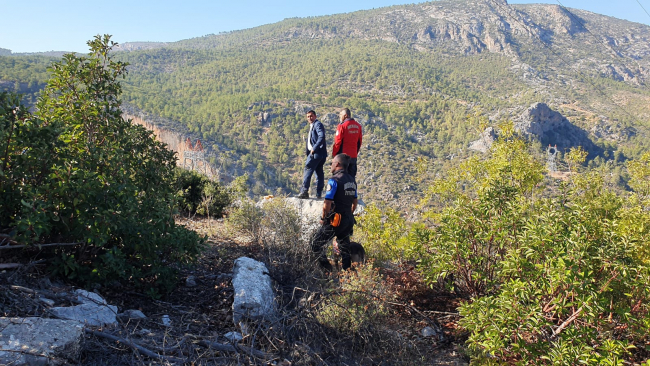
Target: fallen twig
135,346
235,348
38,245
10,265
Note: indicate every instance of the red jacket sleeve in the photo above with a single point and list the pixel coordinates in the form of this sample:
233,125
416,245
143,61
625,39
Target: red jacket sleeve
338,140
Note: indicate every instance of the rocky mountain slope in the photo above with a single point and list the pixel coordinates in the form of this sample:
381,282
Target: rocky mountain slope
424,79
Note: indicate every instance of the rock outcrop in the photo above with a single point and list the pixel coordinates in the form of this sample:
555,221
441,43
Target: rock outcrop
93,310
552,128
254,297
486,140
39,341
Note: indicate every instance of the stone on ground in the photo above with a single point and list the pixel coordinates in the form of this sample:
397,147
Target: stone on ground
39,341
254,297
93,311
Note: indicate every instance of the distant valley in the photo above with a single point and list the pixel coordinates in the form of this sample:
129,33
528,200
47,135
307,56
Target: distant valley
425,80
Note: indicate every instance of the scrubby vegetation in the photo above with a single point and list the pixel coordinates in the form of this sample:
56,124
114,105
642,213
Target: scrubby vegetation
553,274
94,189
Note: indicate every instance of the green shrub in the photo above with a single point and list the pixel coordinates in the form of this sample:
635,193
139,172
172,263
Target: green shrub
483,205
200,195
247,219
572,292
384,234
77,172
360,302
557,280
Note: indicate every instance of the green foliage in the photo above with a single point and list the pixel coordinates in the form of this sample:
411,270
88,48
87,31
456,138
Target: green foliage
555,280
201,195
247,218
360,302
384,233
479,209
573,291
77,172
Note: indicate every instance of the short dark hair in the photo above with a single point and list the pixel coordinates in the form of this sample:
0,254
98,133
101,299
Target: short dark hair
311,112
347,112
344,160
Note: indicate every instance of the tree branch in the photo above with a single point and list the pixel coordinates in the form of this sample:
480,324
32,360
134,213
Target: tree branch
38,245
567,322
235,348
135,346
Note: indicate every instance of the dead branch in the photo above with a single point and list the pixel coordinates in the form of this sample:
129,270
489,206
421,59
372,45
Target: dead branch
235,348
567,322
10,265
24,289
135,346
38,245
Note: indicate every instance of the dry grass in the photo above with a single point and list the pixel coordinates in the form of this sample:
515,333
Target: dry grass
202,315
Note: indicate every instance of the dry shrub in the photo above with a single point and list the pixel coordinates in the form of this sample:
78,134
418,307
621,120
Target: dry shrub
360,301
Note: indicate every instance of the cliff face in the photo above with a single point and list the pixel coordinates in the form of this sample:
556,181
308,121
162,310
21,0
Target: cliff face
584,40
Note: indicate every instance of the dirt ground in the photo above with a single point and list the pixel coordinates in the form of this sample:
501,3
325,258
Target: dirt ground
201,316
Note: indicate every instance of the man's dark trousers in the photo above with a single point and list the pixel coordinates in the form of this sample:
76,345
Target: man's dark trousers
327,232
314,164
352,167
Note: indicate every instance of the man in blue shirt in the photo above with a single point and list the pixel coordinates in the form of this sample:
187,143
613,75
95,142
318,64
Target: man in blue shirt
316,154
340,200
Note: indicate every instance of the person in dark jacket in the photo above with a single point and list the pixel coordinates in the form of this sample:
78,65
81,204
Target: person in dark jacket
341,199
316,150
348,139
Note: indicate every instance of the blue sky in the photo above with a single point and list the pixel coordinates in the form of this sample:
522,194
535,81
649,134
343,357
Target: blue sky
66,25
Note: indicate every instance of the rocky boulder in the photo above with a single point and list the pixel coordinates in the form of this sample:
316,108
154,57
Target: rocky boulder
552,128
484,143
39,341
254,297
93,310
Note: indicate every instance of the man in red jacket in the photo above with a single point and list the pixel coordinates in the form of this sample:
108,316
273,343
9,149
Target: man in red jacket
348,140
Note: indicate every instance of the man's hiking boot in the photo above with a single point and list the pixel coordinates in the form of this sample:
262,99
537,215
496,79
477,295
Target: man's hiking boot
303,195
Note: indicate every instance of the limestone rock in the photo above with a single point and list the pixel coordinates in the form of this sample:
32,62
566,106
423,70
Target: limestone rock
93,311
484,143
233,337
552,128
254,297
190,281
131,314
43,341
89,297
166,320
91,314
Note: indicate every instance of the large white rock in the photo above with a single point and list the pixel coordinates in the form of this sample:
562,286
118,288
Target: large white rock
93,311
39,341
311,209
254,297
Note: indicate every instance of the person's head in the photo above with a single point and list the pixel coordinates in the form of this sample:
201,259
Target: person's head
344,113
340,162
311,116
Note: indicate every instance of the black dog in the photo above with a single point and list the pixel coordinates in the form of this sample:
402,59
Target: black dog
357,253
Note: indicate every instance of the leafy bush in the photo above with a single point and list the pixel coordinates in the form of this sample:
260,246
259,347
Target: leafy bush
360,302
573,291
484,203
556,280
201,195
247,218
82,174
384,233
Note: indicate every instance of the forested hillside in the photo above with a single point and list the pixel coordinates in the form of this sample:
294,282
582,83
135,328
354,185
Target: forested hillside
424,80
